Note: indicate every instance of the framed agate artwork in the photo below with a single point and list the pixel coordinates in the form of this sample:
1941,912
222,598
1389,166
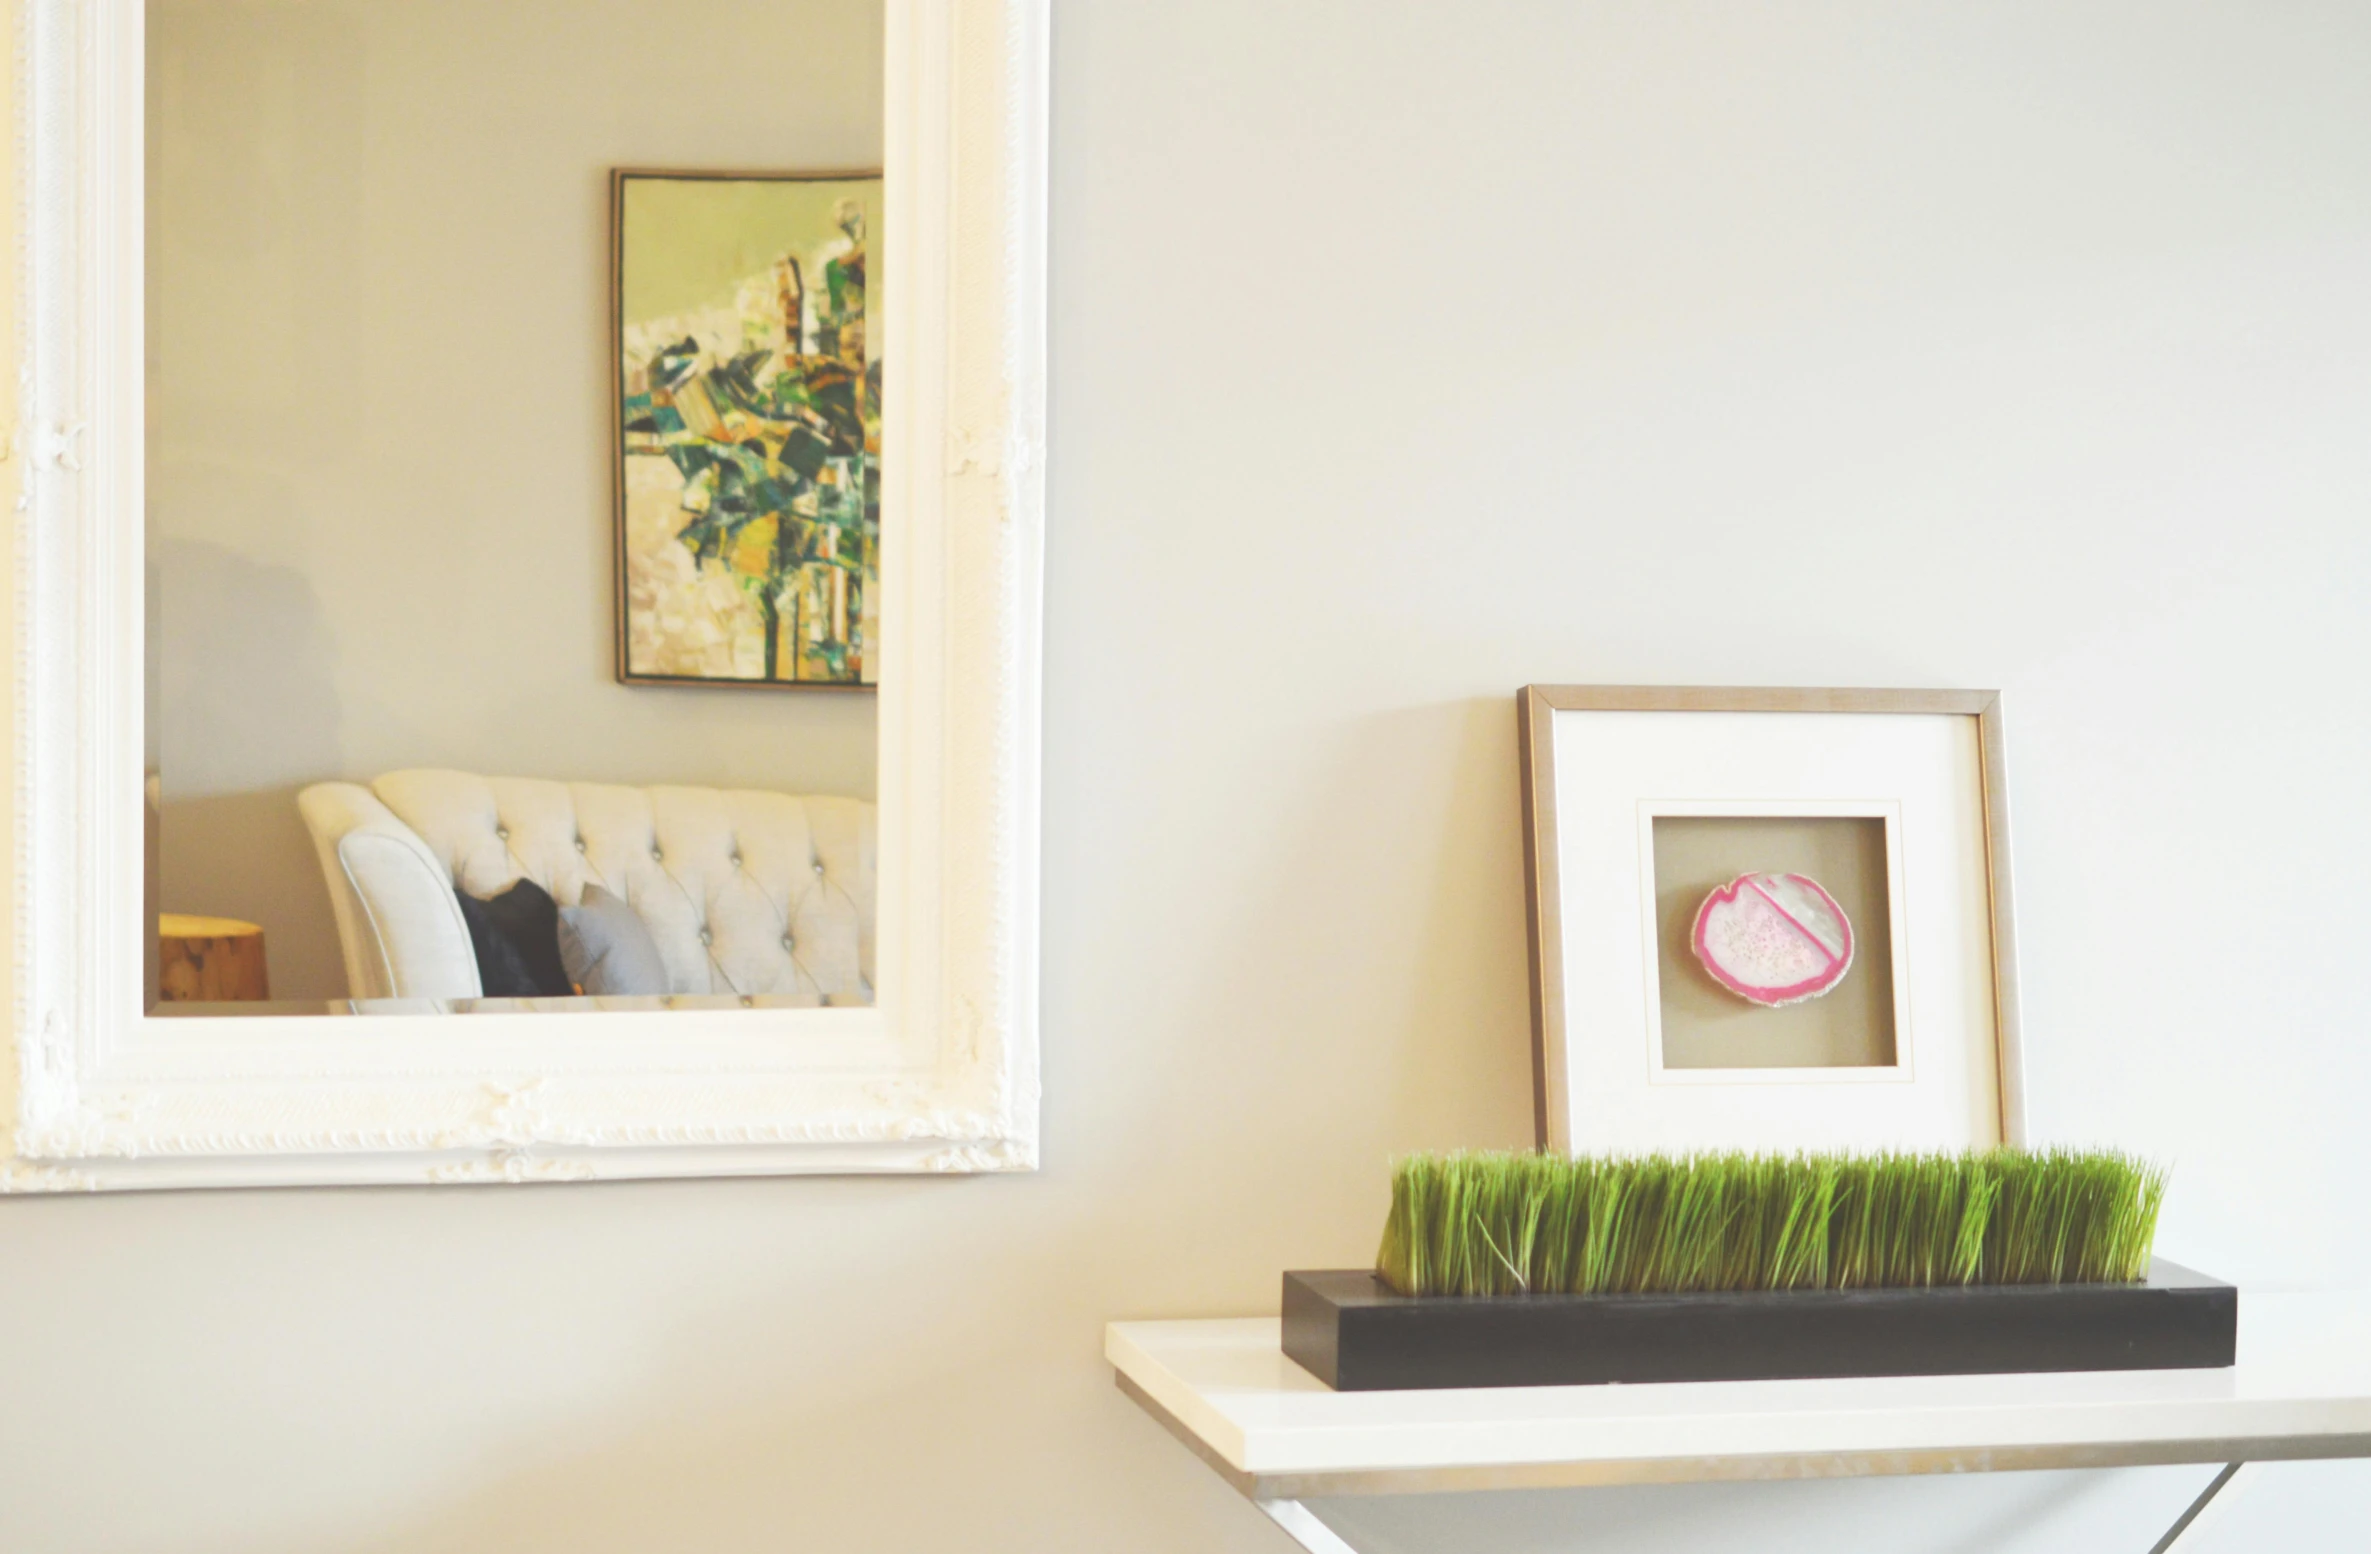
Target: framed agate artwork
748,428
1768,919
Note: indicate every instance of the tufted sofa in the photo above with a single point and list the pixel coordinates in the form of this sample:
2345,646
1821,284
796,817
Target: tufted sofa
745,893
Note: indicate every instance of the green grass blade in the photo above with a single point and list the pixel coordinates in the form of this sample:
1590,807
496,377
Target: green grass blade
1502,1224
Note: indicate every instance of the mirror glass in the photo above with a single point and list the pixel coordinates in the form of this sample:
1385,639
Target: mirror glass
514,506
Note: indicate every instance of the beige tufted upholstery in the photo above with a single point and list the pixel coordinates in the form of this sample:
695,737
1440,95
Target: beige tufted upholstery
746,893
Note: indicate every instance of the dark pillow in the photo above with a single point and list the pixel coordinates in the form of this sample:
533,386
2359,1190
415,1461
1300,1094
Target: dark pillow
516,937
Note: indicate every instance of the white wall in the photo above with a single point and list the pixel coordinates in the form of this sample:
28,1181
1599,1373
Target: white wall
380,466
1403,354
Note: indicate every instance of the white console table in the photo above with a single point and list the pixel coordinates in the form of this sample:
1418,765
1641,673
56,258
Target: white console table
2302,1388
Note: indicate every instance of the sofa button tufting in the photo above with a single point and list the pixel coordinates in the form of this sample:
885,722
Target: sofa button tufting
502,832
819,865
580,844
654,855
736,860
706,937
787,943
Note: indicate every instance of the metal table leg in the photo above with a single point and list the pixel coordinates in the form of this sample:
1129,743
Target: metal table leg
2209,1499
1304,1528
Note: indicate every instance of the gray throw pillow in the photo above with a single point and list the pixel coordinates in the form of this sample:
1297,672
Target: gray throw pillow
607,949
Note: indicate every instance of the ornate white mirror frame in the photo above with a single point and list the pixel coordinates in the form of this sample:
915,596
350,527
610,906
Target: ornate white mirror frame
939,1075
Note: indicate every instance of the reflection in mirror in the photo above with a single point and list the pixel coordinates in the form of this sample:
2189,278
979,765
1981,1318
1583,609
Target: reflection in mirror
513,503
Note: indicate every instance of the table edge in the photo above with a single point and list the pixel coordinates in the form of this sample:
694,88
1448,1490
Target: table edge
1141,1377
1598,1473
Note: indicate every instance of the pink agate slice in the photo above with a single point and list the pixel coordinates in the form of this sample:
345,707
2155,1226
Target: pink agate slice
1773,938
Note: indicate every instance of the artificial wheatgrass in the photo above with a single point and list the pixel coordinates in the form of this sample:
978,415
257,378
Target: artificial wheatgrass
1512,1224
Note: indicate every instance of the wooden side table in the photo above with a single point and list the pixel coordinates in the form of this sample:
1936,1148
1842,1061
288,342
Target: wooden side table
209,960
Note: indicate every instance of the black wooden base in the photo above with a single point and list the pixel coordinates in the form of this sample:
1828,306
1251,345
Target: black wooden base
1356,1335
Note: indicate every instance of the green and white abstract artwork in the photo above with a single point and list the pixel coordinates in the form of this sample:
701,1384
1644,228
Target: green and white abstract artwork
749,428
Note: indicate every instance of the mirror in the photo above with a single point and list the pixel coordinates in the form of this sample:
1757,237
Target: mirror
514,504
524,442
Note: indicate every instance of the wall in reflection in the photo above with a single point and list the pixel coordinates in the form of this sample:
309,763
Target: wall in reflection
379,430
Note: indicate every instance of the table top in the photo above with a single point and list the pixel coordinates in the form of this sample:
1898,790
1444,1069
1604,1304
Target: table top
185,925
2302,1388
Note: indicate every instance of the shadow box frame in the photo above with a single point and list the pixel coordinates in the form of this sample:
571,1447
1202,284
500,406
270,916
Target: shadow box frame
1931,764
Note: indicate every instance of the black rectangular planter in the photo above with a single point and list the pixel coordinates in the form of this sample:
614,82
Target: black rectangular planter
1354,1334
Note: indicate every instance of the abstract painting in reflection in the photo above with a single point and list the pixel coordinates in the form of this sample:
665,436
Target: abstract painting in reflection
749,428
